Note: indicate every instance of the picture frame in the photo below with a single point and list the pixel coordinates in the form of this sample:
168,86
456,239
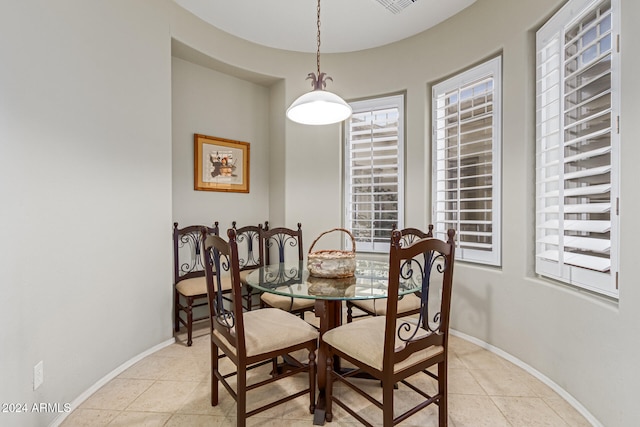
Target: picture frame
221,164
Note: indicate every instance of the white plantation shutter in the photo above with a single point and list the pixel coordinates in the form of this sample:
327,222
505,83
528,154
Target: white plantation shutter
466,156
374,189
577,137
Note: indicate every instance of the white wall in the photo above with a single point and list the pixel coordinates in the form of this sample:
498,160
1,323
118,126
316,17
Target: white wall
208,102
85,190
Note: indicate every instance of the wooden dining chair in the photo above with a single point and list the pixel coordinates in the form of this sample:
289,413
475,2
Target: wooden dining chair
392,349
253,338
276,243
408,304
248,240
189,284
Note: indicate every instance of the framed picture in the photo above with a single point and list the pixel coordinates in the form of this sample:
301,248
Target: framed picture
220,164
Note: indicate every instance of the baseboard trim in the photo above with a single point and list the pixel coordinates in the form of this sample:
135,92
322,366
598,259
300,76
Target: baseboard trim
104,380
534,372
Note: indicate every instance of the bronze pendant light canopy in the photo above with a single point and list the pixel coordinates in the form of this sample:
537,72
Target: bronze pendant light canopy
318,107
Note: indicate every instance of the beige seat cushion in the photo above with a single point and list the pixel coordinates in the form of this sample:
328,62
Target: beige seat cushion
364,340
379,306
243,276
198,286
271,329
284,303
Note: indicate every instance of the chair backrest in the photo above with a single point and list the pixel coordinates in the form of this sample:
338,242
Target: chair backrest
248,241
410,234
221,261
422,261
187,244
278,240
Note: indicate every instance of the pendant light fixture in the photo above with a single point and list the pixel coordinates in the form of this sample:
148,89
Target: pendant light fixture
318,107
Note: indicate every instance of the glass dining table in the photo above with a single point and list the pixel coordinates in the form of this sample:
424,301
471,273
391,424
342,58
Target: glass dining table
293,280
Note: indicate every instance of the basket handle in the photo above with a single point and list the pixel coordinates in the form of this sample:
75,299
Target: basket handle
353,239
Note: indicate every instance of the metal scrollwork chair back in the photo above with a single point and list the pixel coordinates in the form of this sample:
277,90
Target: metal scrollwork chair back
190,289
280,245
248,240
392,347
250,338
408,304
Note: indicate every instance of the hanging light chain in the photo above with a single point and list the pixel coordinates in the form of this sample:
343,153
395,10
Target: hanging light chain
318,81
318,40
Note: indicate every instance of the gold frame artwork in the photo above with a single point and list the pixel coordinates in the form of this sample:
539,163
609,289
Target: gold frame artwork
220,164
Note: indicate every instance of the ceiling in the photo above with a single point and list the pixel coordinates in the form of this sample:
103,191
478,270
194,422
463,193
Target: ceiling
346,25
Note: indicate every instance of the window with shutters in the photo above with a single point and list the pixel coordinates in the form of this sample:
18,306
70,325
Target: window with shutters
577,144
374,187
466,161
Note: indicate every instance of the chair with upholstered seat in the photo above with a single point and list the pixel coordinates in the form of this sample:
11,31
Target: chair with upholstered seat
248,240
190,288
392,349
254,338
408,304
280,241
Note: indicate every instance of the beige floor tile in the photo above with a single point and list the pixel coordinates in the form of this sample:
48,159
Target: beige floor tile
164,396
273,422
475,411
567,412
481,359
90,417
117,394
460,347
199,401
462,382
142,419
455,362
539,388
180,351
528,412
200,330
190,420
186,369
423,382
498,382
298,409
407,399
172,388
150,368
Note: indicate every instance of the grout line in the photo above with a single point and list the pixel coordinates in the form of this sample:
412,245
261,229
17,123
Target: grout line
533,372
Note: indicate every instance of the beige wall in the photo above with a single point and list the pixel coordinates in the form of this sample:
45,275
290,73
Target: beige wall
208,102
85,194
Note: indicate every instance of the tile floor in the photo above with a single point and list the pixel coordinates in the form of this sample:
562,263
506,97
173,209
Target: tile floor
171,388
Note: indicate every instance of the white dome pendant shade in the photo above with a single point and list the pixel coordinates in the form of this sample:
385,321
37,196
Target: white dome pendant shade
318,107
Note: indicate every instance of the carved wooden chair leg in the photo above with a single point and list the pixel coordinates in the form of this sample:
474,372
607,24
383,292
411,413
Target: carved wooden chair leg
312,381
349,313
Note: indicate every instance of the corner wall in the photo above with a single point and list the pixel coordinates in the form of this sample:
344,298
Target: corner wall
85,184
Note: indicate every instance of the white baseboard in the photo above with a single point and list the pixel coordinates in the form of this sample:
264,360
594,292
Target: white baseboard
537,374
104,380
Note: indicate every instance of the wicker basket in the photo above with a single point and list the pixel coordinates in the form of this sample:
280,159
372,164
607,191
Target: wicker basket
332,263
331,287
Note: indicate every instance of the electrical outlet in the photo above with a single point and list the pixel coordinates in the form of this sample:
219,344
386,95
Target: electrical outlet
38,374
